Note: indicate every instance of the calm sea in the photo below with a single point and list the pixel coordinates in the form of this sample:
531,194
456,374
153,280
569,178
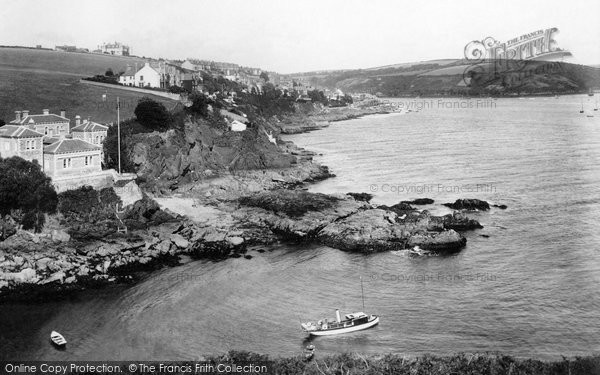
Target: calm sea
529,287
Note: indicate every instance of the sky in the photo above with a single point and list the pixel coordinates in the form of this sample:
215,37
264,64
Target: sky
297,36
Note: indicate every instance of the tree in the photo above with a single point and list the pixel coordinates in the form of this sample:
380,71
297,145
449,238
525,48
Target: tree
264,76
152,114
2,122
26,193
199,104
109,73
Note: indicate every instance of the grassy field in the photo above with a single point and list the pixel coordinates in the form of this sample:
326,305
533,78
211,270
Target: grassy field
34,80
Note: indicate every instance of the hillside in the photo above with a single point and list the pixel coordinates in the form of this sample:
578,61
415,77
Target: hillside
37,79
459,77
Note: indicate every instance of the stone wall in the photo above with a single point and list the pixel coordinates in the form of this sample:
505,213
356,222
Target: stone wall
98,180
162,94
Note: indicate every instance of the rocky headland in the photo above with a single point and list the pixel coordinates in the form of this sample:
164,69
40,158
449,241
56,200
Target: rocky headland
205,192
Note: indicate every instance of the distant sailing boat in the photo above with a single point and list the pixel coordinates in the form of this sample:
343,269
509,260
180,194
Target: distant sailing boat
352,322
581,107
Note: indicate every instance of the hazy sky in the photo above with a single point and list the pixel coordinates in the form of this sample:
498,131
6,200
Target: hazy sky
293,36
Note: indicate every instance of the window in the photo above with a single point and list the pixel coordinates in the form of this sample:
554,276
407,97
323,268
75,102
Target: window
46,130
27,145
141,78
67,163
88,160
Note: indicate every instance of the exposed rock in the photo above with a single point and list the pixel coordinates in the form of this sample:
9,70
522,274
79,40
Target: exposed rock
163,247
365,231
442,241
460,222
18,261
106,266
42,264
179,241
399,208
83,271
500,206
235,241
26,275
57,276
420,201
60,236
469,204
363,197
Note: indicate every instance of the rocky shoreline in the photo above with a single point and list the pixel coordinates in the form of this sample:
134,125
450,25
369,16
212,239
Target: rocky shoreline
217,215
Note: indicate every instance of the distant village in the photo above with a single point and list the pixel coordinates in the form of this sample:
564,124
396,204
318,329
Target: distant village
71,153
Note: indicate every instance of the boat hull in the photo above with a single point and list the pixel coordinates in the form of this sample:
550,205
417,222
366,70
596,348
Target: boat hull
339,331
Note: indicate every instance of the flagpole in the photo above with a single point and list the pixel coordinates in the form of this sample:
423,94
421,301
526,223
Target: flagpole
119,132
362,292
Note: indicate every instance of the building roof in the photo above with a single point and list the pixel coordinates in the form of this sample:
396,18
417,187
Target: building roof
15,131
50,140
90,126
66,146
40,119
130,71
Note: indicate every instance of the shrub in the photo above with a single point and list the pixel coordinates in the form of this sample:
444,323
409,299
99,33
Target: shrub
152,114
177,89
26,193
291,202
199,104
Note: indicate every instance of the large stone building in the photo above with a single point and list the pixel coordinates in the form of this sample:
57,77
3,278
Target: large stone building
21,141
47,123
89,131
71,157
115,48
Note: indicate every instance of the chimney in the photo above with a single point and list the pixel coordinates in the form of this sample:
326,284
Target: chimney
46,111
63,113
337,315
25,113
18,115
77,120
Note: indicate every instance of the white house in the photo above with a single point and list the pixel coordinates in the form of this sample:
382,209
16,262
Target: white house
147,77
128,78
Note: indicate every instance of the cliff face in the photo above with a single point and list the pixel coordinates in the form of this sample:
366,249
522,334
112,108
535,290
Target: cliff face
173,157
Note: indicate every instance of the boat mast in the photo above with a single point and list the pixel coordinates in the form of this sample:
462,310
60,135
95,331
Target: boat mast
362,292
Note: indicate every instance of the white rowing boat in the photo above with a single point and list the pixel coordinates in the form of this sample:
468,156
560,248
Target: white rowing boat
58,339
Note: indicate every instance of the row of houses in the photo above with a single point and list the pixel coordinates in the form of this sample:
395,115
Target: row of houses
160,74
48,139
